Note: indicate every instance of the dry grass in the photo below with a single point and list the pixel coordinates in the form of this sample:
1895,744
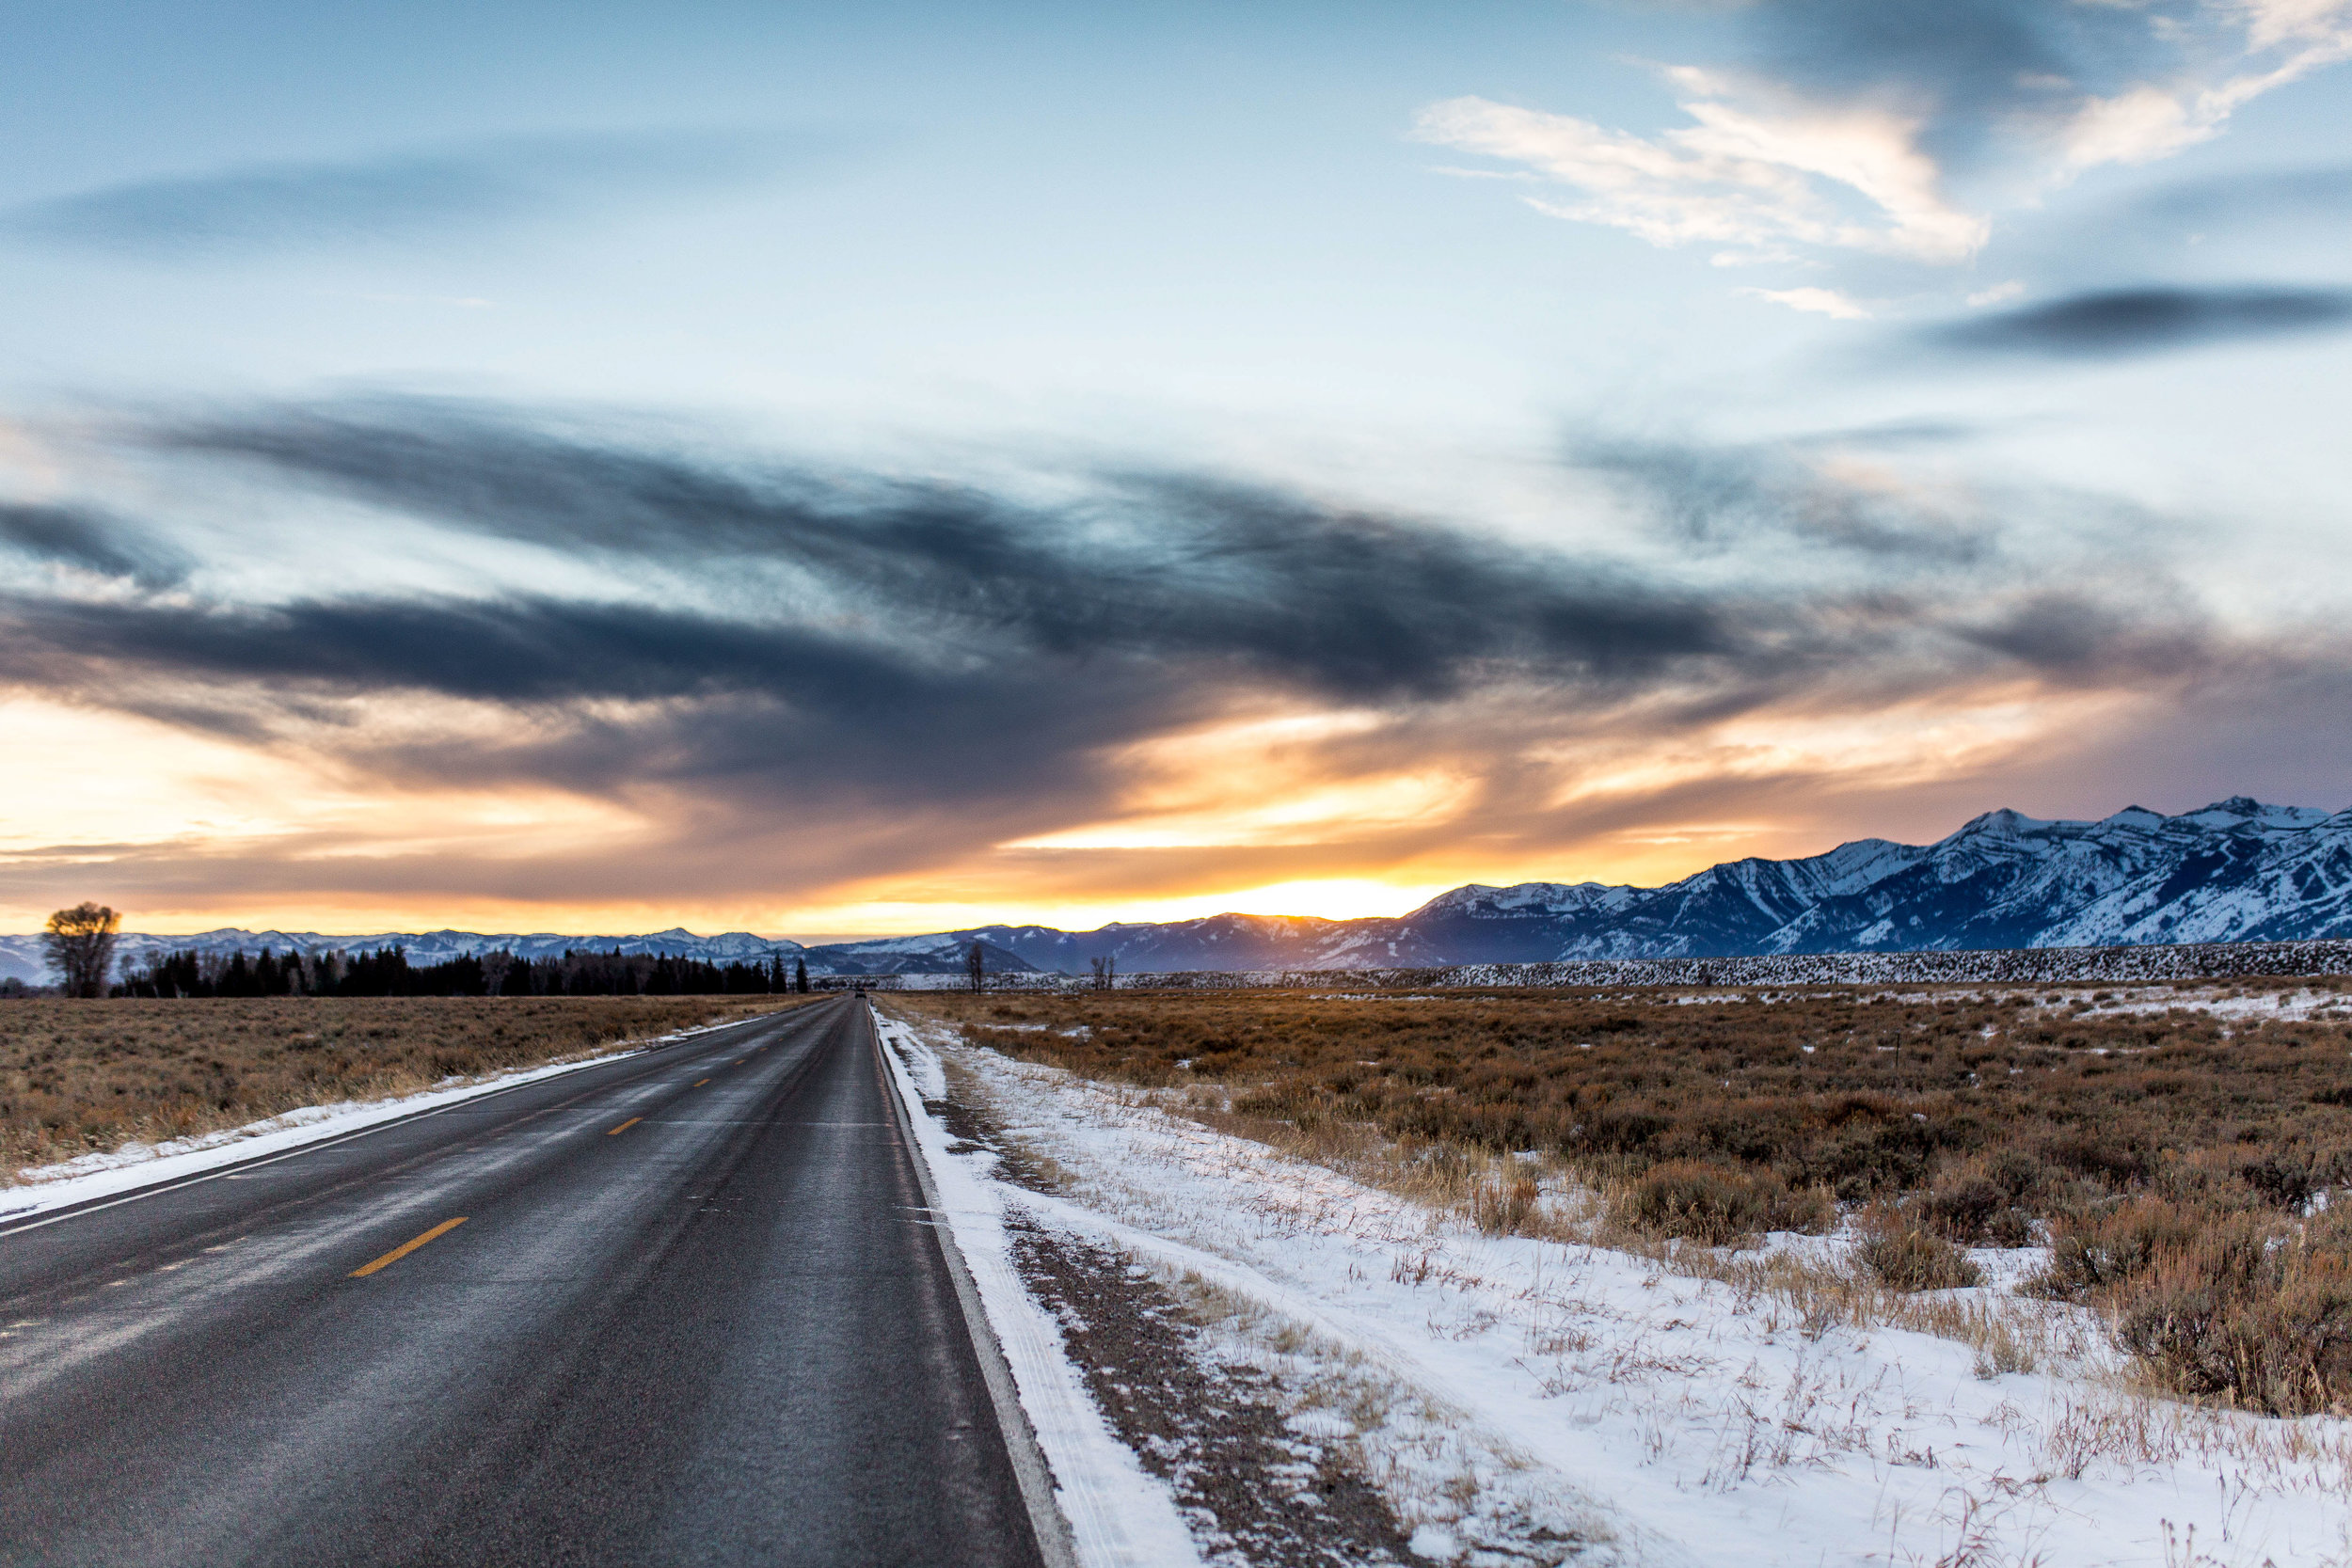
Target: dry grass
78,1077
1907,1259
2172,1157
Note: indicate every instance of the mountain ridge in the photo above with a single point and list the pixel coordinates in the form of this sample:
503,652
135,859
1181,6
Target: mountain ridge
2238,870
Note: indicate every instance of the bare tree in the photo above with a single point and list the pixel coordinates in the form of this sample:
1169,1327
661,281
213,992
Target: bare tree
975,964
81,944
1105,972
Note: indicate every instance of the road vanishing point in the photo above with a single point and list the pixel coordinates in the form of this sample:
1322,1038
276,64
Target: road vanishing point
687,1306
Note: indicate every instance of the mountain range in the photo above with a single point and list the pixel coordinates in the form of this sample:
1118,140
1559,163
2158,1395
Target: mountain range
2234,871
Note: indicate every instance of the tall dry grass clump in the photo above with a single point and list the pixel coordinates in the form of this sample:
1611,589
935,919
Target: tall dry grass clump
1717,1205
1904,1257
2236,1304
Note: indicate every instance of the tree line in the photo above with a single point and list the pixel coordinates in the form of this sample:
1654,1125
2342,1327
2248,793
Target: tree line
387,972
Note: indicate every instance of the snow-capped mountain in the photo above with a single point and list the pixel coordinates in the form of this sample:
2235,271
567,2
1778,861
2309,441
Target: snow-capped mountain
2236,871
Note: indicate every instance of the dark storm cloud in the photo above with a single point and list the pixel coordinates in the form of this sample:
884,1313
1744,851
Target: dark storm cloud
870,639
2116,322
1154,566
720,698
95,543
517,650
422,193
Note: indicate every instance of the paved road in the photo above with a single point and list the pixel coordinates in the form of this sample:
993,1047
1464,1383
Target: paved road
695,1312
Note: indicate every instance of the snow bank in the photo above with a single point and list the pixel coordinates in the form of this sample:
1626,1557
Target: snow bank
1119,1516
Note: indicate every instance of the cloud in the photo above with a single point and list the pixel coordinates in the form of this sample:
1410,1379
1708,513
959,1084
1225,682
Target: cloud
1147,584
74,537
2284,40
2117,323
1999,293
395,196
1744,176
1844,127
1815,301
2082,83
1154,565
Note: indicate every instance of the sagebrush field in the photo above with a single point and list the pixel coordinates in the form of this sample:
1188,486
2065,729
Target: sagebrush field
2171,1148
83,1076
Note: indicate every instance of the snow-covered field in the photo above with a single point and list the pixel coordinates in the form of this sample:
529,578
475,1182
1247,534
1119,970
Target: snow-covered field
1523,1400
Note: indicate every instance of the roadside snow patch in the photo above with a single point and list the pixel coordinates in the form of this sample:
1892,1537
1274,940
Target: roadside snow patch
1119,1516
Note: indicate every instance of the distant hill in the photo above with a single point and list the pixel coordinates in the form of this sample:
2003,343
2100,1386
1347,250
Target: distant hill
2234,871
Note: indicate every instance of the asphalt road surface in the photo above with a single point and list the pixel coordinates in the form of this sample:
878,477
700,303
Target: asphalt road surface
684,1306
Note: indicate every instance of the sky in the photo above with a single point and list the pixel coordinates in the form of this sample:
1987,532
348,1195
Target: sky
830,470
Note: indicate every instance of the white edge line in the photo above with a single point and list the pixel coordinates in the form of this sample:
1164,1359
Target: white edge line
1055,1542
327,1137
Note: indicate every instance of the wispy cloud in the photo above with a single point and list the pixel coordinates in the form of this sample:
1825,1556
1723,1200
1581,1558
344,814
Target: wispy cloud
1845,126
2281,41
1745,176
2116,322
392,197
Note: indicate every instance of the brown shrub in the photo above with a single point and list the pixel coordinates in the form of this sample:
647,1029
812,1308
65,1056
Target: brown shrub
1977,1202
1961,1207
2239,1313
1716,1205
2104,1248
1504,1208
1908,1259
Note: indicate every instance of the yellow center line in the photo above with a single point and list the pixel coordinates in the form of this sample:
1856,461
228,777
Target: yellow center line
625,1126
406,1247
741,1060
700,1082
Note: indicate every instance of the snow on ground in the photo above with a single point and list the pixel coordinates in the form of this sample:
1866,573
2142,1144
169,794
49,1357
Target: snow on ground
1500,1389
2227,1002
1119,1516
140,1164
